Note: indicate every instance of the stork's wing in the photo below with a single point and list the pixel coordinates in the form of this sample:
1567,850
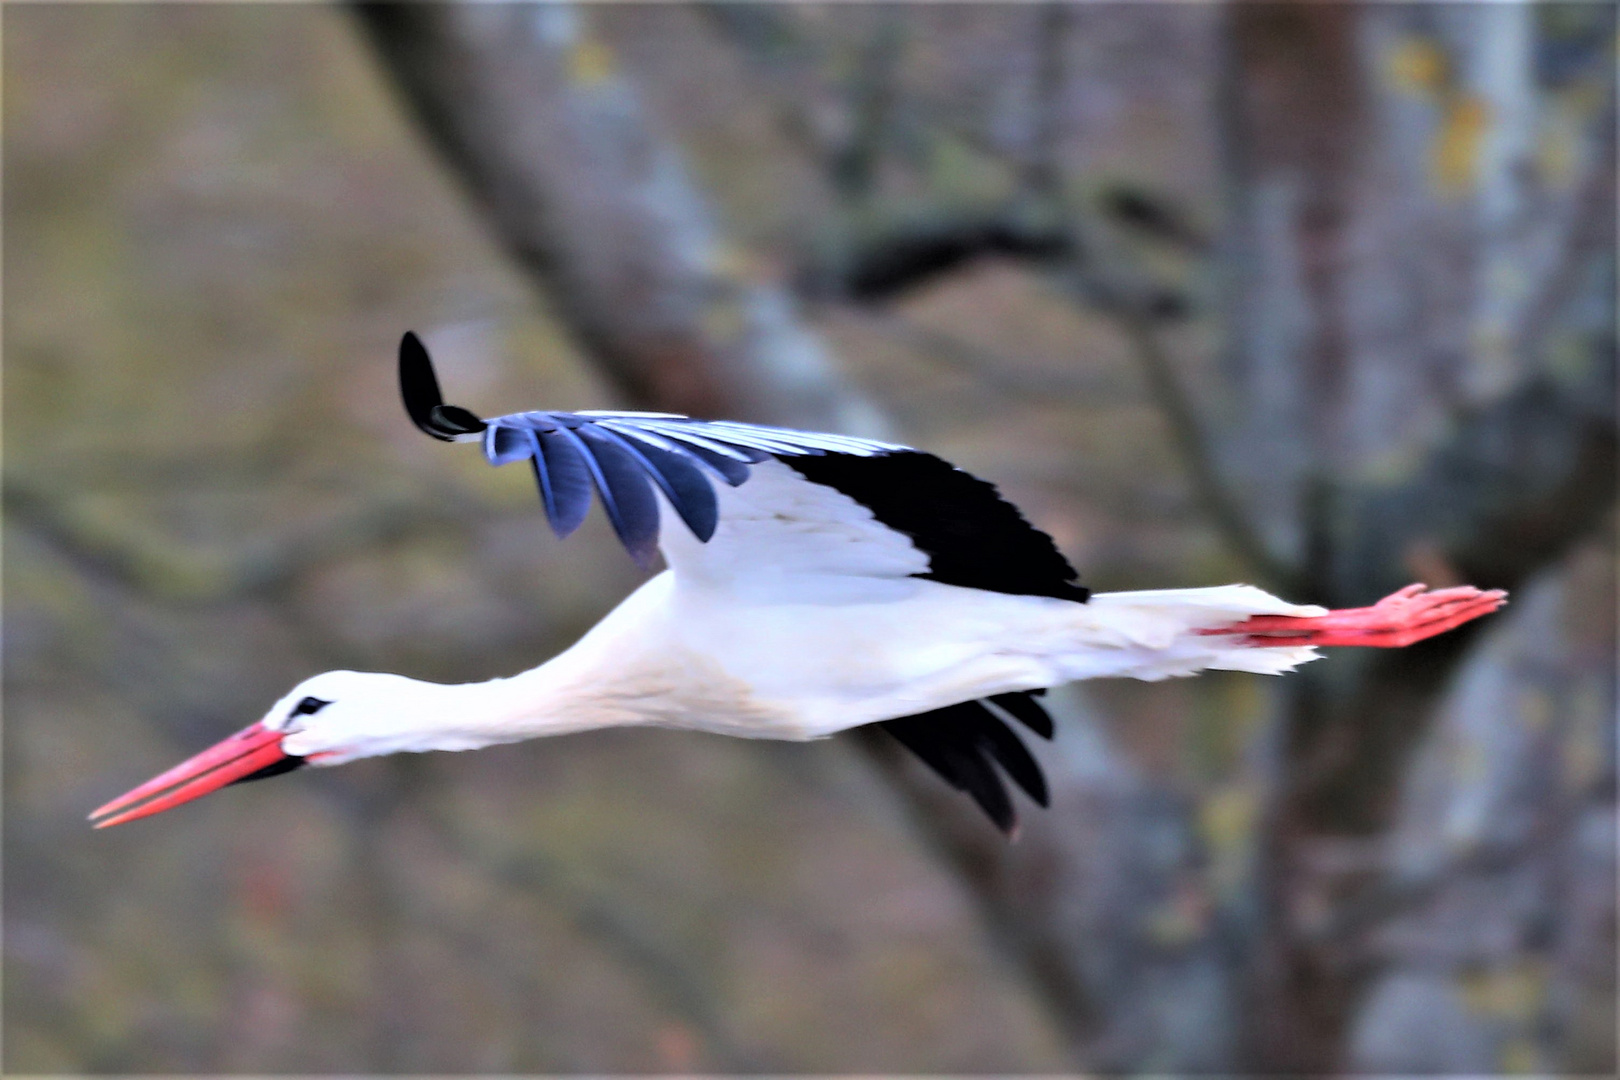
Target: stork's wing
764,507
774,512
960,742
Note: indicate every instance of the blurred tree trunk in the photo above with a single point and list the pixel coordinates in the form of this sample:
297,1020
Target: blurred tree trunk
1389,431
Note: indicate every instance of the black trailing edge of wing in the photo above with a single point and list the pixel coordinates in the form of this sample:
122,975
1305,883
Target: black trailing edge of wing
1026,710
973,537
423,401
964,743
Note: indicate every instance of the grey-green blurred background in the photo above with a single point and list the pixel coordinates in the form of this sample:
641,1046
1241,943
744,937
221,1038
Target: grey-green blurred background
1245,256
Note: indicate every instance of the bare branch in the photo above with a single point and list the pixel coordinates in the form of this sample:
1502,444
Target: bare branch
138,562
995,373
1197,456
882,256
554,146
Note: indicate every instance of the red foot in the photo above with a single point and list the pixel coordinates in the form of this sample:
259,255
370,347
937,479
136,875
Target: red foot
1394,622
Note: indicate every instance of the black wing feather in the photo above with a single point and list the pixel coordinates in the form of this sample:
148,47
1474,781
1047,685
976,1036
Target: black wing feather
1026,710
570,480
542,480
627,494
957,760
454,420
959,742
1010,754
972,536
581,454
682,483
424,403
418,385
504,445
731,470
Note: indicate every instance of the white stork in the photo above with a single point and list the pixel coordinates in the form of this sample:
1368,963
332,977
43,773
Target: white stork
814,583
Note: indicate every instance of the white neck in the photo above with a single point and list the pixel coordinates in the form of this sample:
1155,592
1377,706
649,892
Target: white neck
556,698
376,713
624,671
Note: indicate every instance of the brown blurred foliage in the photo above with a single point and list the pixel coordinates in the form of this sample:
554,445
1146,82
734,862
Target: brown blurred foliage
1320,297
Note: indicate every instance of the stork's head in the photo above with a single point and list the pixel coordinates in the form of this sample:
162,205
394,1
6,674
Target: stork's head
324,720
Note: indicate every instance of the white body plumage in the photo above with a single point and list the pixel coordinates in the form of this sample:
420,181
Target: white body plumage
798,619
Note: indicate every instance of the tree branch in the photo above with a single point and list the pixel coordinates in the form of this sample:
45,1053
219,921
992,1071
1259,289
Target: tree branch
995,373
151,566
1196,454
553,146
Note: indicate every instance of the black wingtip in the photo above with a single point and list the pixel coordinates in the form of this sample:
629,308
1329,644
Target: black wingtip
1023,707
960,742
418,386
424,402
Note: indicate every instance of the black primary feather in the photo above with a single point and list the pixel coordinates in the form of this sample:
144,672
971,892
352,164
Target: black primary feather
417,383
731,470
455,420
972,536
960,763
626,493
960,742
681,481
424,403
568,479
1026,710
504,445
624,455
1008,750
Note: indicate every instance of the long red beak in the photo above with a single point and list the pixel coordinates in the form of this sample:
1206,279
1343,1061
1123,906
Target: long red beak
243,754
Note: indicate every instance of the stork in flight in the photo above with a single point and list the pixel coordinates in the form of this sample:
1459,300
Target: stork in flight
815,583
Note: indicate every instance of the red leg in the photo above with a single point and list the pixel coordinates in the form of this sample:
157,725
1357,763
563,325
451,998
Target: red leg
1394,622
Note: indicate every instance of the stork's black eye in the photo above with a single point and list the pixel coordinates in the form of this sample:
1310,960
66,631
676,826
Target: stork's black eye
309,706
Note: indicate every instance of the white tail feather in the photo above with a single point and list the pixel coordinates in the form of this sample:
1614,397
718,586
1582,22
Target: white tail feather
1156,635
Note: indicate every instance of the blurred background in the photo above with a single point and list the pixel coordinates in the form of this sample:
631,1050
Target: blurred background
1317,297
